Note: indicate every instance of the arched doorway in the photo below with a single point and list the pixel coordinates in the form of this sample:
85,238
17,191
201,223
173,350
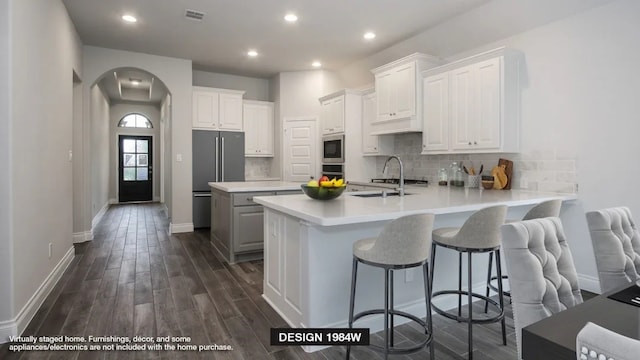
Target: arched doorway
124,162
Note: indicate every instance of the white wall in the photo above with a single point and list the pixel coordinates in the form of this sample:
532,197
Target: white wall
165,115
298,94
6,251
99,150
44,52
579,105
117,112
254,88
176,74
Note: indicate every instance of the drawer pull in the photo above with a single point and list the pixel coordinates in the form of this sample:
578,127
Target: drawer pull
250,198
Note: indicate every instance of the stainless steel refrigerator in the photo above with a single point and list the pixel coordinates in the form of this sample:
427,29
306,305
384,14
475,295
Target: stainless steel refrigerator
217,156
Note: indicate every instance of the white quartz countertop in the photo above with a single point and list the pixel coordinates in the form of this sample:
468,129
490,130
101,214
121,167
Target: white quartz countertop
350,209
252,186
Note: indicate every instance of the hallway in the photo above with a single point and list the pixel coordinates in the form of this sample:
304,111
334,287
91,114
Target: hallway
134,279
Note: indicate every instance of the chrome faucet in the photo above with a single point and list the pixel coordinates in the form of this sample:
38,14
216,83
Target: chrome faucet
401,182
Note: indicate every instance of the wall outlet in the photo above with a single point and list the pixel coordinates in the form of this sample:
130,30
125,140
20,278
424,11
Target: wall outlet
409,275
178,157
50,249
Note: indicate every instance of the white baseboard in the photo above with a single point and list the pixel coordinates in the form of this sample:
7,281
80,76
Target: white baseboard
589,283
156,198
113,201
83,236
7,328
99,215
180,228
16,326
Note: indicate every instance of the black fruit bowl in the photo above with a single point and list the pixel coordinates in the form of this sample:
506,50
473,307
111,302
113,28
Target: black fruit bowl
323,193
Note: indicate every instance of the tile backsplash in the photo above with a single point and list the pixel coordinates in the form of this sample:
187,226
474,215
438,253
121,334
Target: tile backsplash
256,168
543,170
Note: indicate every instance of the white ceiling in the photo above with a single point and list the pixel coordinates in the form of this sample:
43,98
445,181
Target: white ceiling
327,30
330,31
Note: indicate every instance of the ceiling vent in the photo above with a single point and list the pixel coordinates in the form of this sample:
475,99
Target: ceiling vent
194,15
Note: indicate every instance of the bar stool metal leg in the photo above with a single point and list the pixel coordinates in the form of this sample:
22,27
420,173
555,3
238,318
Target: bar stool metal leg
386,314
391,303
427,295
432,265
501,298
459,285
486,303
354,271
470,304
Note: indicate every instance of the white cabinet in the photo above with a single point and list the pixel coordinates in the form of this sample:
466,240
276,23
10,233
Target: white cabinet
373,144
475,106
257,118
217,109
398,87
475,101
435,133
332,114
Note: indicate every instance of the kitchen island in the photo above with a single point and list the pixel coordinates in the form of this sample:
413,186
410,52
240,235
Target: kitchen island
236,220
308,250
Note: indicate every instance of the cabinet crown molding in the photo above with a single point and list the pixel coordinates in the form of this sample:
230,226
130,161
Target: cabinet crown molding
257,102
501,51
216,90
434,60
338,93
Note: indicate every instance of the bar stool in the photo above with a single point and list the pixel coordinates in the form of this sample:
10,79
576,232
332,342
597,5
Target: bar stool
479,234
403,243
549,208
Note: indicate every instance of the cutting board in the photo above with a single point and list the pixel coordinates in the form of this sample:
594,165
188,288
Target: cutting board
508,170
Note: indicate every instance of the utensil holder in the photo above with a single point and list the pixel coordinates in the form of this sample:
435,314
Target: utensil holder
473,181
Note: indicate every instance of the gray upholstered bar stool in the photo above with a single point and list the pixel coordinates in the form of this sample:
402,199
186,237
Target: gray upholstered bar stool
479,234
549,208
403,243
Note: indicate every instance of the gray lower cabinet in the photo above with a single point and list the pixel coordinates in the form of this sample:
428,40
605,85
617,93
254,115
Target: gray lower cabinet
237,224
248,228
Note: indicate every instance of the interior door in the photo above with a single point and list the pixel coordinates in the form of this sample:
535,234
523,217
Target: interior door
300,150
135,168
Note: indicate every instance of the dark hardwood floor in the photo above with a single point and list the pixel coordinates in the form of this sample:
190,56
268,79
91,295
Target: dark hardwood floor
134,279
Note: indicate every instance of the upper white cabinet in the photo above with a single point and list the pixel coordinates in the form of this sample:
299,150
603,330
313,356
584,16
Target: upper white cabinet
257,119
332,114
435,133
471,106
398,87
217,109
373,144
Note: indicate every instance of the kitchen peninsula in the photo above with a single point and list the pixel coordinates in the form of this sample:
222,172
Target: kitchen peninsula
308,249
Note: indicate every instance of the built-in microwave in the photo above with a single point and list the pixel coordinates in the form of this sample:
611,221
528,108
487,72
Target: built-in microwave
333,149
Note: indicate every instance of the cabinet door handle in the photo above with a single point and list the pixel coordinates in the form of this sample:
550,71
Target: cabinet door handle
250,198
475,143
469,142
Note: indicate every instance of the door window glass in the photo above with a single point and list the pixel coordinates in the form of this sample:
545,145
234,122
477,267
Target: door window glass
136,121
135,160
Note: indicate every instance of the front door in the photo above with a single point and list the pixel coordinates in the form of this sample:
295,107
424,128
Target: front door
135,168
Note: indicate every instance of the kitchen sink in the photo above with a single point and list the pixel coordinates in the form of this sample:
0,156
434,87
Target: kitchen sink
378,194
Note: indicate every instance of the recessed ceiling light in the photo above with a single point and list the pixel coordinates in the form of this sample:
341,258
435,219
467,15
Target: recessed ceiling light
291,17
252,53
316,64
369,35
129,18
